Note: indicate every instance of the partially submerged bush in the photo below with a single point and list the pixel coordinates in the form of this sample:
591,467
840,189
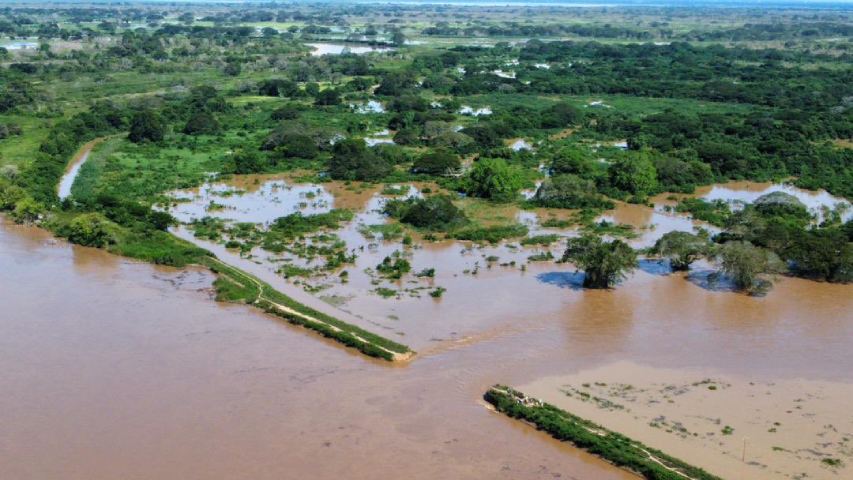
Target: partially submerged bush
569,191
433,213
681,248
89,229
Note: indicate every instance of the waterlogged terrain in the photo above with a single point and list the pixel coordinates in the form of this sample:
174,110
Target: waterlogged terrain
175,366
401,183
485,288
753,427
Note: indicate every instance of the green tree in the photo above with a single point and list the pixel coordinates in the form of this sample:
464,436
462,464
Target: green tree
202,123
494,179
561,115
352,160
634,174
781,204
439,162
825,253
603,263
434,213
681,248
146,126
569,191
397,38
296,145
748,265
328,96
28,210
573,160
89,229
249,161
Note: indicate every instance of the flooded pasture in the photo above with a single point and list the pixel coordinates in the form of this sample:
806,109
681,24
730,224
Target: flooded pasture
486,287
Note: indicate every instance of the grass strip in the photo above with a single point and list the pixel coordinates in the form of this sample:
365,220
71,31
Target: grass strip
235,285
611,446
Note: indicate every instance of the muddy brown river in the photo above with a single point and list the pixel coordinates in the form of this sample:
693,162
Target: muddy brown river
115,369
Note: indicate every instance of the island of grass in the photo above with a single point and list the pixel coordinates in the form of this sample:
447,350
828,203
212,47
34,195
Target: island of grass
595,439
234,285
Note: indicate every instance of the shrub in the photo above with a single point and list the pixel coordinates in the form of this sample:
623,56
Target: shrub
434,213
439,162
494,179
146,126
28,210
89,229
493,234
352,160
569,191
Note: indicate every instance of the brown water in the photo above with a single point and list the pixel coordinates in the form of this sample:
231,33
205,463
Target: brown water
122,370
474,306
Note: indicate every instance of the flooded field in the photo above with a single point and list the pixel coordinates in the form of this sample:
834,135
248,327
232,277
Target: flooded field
487,287
132,371
738,426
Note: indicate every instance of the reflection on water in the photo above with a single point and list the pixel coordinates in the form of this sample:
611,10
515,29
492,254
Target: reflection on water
323,48
257,203
748,192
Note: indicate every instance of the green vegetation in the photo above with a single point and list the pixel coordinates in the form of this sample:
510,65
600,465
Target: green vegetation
179,95
436,213
716,212
394,268
615,448
490,234
681,249
604,263
236,286
494,179
297,225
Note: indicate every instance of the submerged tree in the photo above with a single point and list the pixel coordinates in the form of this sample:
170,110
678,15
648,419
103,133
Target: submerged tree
603,263
747,264
681,248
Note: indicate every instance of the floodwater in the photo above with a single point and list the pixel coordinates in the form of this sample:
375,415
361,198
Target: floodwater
70,175
488,289
116,369
19,45
323,48
748,192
